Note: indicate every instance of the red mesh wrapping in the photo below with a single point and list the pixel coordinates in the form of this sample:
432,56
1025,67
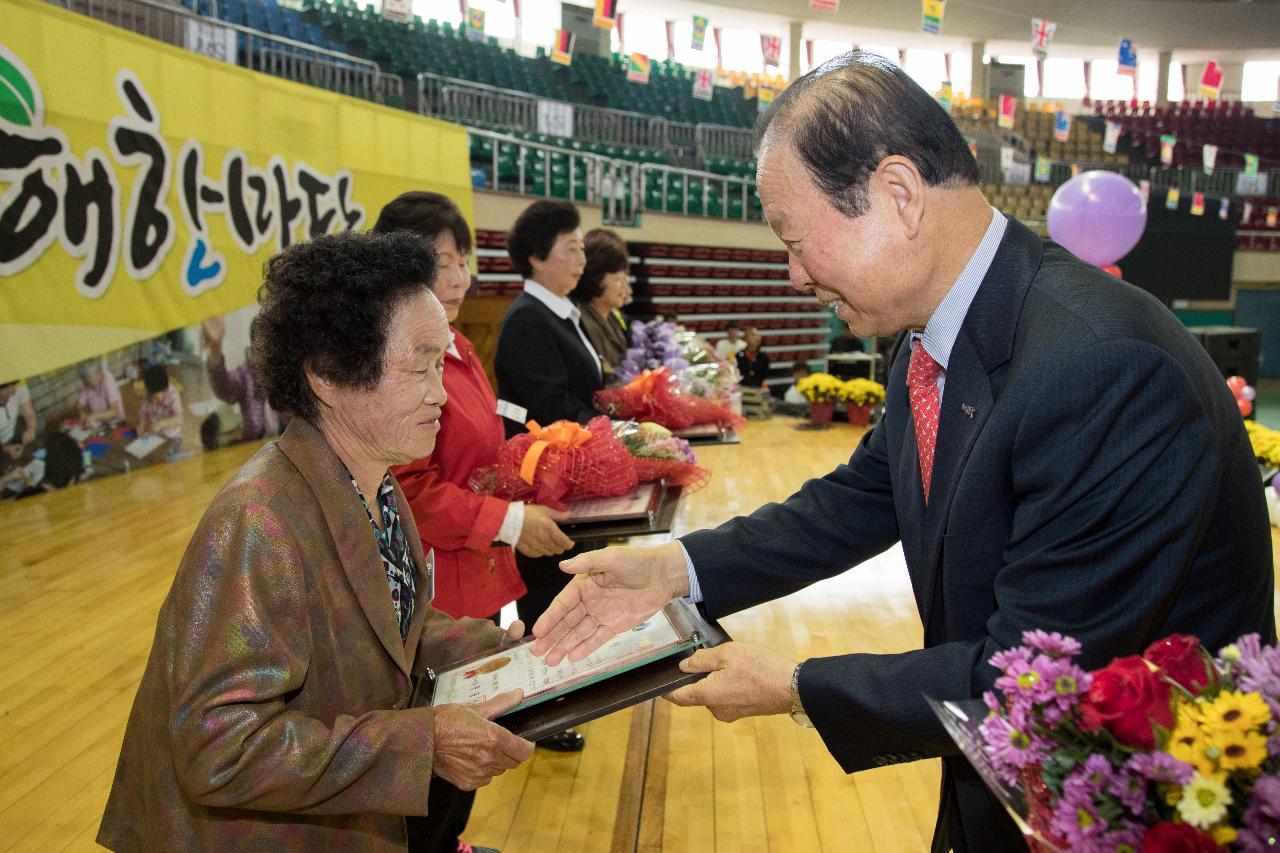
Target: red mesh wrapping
599,468
692,477
654,396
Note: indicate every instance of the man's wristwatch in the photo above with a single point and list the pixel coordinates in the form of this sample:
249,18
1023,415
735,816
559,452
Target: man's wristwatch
797,709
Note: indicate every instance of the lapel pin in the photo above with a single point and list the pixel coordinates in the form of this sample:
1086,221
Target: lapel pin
967,409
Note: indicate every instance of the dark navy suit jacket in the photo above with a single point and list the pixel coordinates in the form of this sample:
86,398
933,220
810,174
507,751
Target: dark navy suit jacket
542,365
1092,476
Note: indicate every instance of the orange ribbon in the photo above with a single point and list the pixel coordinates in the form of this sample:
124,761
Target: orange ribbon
644,382
564,435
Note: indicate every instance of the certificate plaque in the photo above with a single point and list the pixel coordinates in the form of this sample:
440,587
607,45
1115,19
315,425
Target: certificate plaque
634,666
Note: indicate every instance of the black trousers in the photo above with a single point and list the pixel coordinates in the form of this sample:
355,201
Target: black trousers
448,810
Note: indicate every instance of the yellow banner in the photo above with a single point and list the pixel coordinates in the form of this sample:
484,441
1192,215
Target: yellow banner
142,186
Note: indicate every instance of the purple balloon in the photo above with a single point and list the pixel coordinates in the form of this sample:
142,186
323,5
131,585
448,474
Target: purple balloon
1097,216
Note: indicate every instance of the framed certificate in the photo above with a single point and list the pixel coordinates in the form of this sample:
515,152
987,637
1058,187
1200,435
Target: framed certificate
632,667
650,509
708,434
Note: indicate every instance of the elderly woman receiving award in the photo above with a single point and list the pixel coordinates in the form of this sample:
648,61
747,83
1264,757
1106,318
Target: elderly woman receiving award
274,710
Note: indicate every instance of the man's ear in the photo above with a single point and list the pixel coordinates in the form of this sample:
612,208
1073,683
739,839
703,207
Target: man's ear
900,178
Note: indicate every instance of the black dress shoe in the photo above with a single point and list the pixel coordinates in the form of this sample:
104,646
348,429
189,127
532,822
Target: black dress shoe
565,741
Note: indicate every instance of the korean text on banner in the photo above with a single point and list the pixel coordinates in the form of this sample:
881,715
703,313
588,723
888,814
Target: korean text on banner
178,201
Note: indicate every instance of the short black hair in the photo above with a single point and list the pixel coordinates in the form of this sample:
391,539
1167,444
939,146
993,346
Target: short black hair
606,253
853,111
536,231
326,304
155,378
426,214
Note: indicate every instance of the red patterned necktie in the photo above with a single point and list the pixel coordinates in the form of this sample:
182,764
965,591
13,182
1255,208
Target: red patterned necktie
922,388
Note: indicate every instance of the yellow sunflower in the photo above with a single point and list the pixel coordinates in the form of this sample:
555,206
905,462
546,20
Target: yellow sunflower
1235,711
1187,742
1237,750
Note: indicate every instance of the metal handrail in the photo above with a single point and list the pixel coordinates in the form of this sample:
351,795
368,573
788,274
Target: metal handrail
263,52
707,179
605,183
718,141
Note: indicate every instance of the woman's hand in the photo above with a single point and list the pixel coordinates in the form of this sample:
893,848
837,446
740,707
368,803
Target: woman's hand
469,749
540,536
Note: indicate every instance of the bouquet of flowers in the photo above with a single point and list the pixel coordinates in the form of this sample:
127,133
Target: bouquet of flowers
1173,750
559,463
820,388
655,396
659,455
653,345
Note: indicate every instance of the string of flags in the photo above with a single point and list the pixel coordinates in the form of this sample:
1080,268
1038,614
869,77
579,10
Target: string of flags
1211,80
931,12
562,47
1008,107
699,32
703,84
764,97
825,5
475,24
1127,64
1041,36
771,47
1062,126
606,14
638,68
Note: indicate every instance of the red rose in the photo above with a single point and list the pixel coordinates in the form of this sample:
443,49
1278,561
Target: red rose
1127,698
1181,659
1177,838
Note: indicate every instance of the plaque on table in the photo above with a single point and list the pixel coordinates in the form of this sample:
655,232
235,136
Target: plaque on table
634,666
708,434
650,509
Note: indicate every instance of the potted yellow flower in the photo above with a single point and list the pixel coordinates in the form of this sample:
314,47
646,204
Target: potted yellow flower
861,396
821,390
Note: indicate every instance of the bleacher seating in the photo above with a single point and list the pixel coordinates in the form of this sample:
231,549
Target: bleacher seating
1229,125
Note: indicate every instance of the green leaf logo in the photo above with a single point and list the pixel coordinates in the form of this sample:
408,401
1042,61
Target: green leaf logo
20,100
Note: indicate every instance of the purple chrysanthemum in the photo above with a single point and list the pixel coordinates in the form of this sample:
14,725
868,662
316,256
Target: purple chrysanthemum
1131,790
1260,670
1160,767
1051,643
1011,749
1261,829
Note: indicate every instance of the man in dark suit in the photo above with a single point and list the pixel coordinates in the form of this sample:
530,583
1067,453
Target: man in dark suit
547,369
1057,452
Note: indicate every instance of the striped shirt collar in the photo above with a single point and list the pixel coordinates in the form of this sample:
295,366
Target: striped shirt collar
943,328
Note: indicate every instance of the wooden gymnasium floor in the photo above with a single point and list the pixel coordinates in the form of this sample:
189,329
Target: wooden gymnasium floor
83,572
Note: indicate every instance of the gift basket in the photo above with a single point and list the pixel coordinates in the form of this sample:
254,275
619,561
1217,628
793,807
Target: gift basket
555,464
655,396
659,455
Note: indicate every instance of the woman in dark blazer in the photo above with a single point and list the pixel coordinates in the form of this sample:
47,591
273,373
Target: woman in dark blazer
602,290
547,369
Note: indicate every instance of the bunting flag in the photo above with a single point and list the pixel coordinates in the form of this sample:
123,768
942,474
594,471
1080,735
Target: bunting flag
1272,215
1251,164
1008,106
1044,167
1062,126
1127,65
1167,141
400,11
771,47
606,14
699,32
931,13
825,5
1075,170
1224,209
475,24
1041,35
703,84
1211,80
1210,155
1246,213
1171,200
944,95
1197,204
1111,138
1006,157
764,97
638,68
562,47
1144,190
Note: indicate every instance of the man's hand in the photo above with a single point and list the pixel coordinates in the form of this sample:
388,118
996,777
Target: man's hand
745,680
213,331
469,750
616,589
540,536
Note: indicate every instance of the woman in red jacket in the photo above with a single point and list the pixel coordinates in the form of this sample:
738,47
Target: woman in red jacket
472,536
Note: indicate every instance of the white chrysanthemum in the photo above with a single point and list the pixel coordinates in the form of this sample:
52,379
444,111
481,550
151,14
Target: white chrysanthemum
1204,801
